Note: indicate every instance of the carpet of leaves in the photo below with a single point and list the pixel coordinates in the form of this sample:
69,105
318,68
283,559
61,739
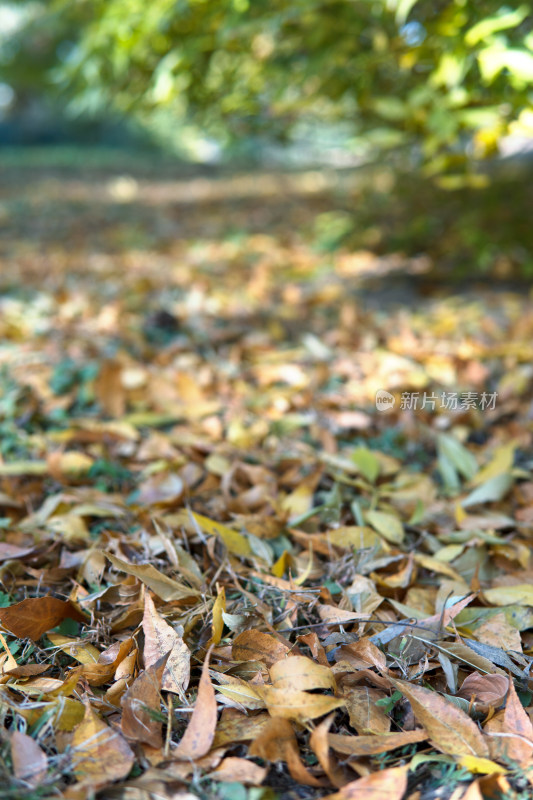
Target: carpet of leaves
224,573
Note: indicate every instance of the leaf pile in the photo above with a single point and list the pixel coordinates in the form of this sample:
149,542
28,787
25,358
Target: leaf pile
221,566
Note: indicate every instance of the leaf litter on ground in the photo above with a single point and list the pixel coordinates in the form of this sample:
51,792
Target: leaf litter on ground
220,563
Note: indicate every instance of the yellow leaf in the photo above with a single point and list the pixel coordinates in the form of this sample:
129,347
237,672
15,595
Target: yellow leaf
520,595
299,672
99,752
218,620
450,729
502,461
84,652
296,704
387,525
482,766
164,587
236,543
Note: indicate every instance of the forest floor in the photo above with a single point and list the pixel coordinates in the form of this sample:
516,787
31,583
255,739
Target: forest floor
266,502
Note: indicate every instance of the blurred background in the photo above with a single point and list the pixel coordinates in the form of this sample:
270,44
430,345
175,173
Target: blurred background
409,124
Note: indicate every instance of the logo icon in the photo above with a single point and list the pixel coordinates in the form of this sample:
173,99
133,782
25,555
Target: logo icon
384,400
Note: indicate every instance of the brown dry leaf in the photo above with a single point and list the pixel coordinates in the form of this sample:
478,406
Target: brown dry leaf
200,732
99,753
140,701
300,673
333,615
235,726
366,651
257,646
164,587
34,616
277,742
365,715
30,763
239,770
371,745
296,704
108,663
109,389
161,639
450,729
510,733
498,632
389,784
488,689
320,745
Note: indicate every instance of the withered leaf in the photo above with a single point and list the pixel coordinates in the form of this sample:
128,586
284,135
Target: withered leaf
34,616
258,646
143,698
99,752
200,732
389,784
161,639
450,729
164,587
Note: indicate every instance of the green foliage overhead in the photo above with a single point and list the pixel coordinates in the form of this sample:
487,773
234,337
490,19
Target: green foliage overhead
455,75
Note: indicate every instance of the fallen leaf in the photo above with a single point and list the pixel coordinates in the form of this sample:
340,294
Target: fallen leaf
239,770
488,689
139,703
277,742
99,753
388,784
164,587
30,763
200,732
320,745
389,526
295,704
521,595
450,729
373,744
257,646
34,616
161,639
301,673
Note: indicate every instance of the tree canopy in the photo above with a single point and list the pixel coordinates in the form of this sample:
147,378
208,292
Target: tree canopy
456,76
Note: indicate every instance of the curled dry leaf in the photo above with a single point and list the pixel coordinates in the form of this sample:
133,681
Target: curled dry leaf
450,729
161,639
488,689
34,616
200,732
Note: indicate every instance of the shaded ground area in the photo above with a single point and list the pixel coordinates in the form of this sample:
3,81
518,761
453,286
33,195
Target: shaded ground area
189,374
